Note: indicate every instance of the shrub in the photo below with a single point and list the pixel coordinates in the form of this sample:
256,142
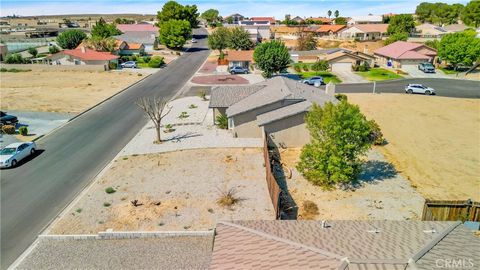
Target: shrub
192,106
376,135
183,115
309,210
222,121
203,95
297,68
33,51
8,129
15,58
70,39
112,65
110,190
320,65
23,131
228,198
169,128
156,62
106,204
79,210
146,59
305,67
341,97
53,49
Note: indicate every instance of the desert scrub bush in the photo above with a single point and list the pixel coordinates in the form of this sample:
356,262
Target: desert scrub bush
79,210
376,135
169,128
156,62
309,210
8,129
228,198
183,115
192,106
106,204
110,190
222,121
23,131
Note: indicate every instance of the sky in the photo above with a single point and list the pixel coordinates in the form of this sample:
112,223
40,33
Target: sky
248,8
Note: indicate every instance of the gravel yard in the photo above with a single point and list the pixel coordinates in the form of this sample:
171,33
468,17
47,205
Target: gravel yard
382,194
174,191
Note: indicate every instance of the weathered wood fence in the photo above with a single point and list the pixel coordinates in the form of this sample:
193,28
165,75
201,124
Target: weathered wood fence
451,210
273,188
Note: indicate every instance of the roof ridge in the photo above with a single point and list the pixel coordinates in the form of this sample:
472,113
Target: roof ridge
285,241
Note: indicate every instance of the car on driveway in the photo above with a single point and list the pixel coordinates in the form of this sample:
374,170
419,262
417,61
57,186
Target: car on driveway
11,154
8,119
426,67
238,70
419,89
313,80
129,64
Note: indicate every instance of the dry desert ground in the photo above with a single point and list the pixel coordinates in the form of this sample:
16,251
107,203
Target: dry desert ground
60,91
433,141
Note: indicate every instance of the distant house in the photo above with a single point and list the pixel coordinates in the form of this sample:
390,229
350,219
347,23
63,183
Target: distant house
343,244
344,60
369,19
235,18
329,30
270,20
258,33
276,107
428,30
125,48
365,31
141,27
147,38
240,58
298,20
82,56
402,53
321,20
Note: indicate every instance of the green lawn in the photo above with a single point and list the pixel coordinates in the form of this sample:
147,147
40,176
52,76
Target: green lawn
448,71
327,76
379,74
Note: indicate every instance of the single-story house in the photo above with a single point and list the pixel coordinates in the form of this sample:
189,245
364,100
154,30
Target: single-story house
404,53
276,107
344,60
428,30
344,244
240,58
313,55
365,31
82,56
125,48
327,30
147,38
298,19
140,27
270,20
369,19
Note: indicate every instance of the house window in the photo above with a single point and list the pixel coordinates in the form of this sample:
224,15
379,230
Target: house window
231,124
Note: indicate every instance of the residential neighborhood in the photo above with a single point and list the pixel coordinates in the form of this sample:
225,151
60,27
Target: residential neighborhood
225,135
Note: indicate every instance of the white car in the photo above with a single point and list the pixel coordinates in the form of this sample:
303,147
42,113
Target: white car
11,154
418,88
194,40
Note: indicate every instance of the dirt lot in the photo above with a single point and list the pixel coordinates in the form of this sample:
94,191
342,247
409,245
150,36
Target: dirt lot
60,91
381,193
176,191
433,141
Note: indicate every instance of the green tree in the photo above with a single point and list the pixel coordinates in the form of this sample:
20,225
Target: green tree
70,39
340,135
104,30
433,43
439,13
271,57
402,23
336,13
471,14
306,41
210,15
33,51
396,37
424,11
340,21
462,47
174,33
229,20
53,49
329,13
320,65
174,11
15,58
239,39
219,39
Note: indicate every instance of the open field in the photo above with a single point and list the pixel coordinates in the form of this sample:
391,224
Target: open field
433,141
60,91
175,191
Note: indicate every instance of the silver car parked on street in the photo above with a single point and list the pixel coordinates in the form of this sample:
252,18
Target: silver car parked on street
11,154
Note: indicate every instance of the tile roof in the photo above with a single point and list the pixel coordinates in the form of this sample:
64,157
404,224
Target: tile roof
398,48
270,19
133,46
233,55
225,96
89,54
283,112
372,27
349,244
137,28
334,28
321,19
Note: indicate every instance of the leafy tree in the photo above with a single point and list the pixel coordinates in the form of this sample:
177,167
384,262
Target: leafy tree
271,57
156,62
402,23
33,51
320,65
439,13
433,43
396,37
306,41
174,33
100,44
471,14
104,30
53,49
340,21
340,136
174,11
462,47
15,58
124,21
329,13
210,15
239,39
70,39
336,13
219,39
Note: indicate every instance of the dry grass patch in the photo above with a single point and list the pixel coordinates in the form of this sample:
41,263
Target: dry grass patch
309,210
228,198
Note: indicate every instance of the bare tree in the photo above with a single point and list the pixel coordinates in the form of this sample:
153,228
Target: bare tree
154,108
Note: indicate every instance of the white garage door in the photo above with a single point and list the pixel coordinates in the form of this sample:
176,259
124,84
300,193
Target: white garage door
341,67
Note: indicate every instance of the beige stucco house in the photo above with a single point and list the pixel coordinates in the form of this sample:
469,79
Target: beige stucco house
276,107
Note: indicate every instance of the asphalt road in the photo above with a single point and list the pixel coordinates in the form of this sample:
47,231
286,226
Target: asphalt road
35,192
443,87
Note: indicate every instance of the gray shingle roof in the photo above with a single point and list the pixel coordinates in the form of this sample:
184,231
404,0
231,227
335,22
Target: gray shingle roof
144,37
225,96
283,112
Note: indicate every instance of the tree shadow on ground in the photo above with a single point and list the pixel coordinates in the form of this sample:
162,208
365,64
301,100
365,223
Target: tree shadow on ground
374,171
180,137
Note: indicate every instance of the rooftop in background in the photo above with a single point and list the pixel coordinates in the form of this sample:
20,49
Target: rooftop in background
270,19
137,28
403,50
373,27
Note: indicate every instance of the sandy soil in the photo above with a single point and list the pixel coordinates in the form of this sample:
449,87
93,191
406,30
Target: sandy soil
60,91
176,190
433,141
381,193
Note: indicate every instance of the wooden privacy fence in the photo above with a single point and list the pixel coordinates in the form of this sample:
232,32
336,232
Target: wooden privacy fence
273,188
451,210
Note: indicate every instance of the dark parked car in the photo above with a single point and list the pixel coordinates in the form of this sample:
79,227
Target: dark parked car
238,70
426,67
7,119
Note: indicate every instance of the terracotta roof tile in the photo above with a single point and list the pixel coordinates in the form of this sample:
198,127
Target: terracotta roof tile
240,55
90,55
334,28
374,27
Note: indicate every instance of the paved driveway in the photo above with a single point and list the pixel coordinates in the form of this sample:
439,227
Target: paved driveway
348,76
414,72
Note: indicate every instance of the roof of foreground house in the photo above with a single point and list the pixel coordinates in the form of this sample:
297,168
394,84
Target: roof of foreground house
225,96
340,244
402,50
147,37
87,54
